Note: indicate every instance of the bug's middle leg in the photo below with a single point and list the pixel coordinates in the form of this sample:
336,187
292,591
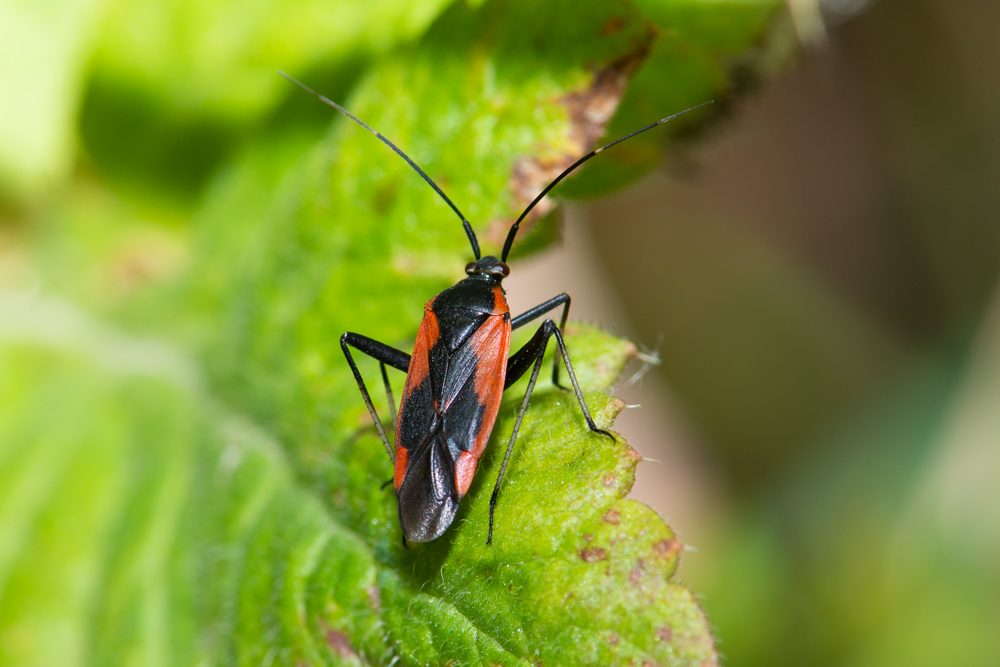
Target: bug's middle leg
532,355
384,355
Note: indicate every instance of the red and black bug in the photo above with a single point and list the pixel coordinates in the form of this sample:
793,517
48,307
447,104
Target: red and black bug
460,366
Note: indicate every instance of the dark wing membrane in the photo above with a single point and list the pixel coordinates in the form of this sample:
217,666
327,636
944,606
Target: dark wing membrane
427,499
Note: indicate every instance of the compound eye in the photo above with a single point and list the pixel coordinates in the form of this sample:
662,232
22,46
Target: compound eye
504,270
470,268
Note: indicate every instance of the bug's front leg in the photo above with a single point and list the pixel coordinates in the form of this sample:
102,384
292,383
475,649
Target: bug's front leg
532,354
385,355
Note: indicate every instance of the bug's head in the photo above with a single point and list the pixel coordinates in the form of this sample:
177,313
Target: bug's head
488,267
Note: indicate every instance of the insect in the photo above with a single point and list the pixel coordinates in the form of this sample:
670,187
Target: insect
460,366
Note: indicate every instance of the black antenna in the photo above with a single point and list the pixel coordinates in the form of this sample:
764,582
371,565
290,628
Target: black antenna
465,223
513,230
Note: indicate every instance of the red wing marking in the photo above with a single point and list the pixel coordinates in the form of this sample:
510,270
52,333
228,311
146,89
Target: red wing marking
465,469
432,324
427,335
499,301
399,468
491,344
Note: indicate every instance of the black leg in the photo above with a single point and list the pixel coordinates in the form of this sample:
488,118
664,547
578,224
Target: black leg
533,352
384,354
388,394
539,310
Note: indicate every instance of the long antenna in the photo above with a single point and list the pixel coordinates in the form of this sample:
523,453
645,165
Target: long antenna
465,223
513,230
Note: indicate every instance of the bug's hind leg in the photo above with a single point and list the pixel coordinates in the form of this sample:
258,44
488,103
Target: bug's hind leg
532,355
384,355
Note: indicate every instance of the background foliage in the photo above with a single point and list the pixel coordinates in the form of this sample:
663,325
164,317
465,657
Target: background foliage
826,289
186,472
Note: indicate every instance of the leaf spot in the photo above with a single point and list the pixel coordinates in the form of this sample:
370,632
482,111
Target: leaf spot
591,109
667,548
374,599
340,644
593,555
589,112
613,516
612,25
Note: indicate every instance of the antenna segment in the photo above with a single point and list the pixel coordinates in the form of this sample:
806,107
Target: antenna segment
465,223
513,230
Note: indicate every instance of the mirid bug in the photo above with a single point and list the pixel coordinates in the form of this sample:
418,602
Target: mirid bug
460,366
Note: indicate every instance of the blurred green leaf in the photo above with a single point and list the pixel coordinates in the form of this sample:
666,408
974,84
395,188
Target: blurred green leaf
703,50
887,529
220,58
177,86
43,47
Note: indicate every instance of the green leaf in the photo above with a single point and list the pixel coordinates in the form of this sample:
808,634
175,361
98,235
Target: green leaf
473,103
174,531
214,496
146,525
575,574
355,241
